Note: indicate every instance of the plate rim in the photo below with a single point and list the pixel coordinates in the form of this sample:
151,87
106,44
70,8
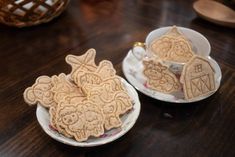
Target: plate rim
112,138
164,100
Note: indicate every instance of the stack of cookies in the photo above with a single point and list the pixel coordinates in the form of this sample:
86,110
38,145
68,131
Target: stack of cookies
84,103
197,77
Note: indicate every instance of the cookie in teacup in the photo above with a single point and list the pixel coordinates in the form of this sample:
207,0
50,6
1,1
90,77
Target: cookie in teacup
172,46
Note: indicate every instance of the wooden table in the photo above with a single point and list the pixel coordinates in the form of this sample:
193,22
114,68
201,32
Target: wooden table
203,129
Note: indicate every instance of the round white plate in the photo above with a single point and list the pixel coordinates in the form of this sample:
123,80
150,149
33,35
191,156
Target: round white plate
133,68
128,121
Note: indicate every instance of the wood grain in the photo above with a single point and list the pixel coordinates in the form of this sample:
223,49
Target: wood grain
111,27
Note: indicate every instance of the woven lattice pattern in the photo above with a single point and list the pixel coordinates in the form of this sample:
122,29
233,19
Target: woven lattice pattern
23,13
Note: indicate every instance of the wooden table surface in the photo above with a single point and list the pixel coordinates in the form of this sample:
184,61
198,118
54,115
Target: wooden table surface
202,129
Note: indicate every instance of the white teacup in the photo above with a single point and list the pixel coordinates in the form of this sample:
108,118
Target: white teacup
200,46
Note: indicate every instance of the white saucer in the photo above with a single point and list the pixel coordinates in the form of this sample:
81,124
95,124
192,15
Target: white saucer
132,69
128,120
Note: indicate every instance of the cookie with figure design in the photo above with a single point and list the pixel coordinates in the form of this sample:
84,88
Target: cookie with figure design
86,77
40,92
106,89
159,77
180,52
104,72
68,100
53,123
81,120
161,46
113,99
85,62
62,87
106,69
174,32
172,46
198,77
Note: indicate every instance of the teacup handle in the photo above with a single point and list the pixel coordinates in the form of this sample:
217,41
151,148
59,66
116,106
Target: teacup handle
138,50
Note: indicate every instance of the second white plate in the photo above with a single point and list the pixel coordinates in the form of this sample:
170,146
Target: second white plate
133,68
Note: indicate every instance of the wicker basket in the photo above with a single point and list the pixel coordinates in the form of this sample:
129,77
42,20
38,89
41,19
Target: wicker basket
22,13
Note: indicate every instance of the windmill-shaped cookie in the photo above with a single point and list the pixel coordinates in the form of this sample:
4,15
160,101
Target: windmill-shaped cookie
84,62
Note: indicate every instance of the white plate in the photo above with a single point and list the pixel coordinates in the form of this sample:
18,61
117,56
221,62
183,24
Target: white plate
132,69
128,120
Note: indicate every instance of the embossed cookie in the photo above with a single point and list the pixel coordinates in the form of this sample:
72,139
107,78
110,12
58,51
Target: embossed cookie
68,100
198,78
159,77
105,80
105,69
180,52
113,99
84,62
40,92
162,46
112,108
182,49
52,113
106,89
81,120
62,87
86,77
174,32
172,46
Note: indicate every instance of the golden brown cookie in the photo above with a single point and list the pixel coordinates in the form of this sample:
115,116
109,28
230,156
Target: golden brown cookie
106,87
161,47
172,46
112,108
198,78
81,120
52,113
105,69
113,99
86,77
62,87
67,100
84,62
159,77
180,52
40,92
52,116
174,32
